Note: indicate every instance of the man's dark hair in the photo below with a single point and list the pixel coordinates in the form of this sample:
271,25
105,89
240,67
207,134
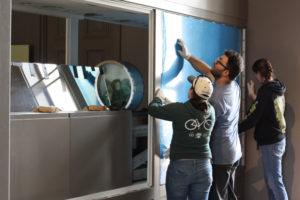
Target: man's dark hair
264,67
235,63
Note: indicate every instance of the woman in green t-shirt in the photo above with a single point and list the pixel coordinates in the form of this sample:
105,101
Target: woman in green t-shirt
189,173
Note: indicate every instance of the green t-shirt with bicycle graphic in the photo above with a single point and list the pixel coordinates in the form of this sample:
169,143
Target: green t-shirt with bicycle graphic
191,128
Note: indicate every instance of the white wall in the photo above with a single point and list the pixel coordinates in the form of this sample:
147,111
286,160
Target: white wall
273,32
5,17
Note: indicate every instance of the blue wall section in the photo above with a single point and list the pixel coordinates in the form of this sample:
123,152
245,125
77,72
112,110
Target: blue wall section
206,41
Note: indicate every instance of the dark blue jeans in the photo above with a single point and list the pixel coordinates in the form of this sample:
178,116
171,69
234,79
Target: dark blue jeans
189,178
272,162
224,180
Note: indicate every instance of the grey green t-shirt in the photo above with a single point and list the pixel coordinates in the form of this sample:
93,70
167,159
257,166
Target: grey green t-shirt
191,128
225,143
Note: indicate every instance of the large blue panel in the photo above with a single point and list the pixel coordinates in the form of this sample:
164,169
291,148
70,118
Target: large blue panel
206,41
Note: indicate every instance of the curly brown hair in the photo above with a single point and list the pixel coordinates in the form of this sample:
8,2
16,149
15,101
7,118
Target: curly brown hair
235,63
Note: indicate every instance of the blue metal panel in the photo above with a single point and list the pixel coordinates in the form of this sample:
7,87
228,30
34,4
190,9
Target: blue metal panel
138,85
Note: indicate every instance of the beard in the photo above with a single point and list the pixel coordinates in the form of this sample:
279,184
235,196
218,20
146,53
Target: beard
217,73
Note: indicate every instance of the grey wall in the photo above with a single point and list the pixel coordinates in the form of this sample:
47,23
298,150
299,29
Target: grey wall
273,32
5,16
231,12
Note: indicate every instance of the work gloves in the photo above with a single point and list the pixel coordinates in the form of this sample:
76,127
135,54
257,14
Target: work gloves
184,52
160,94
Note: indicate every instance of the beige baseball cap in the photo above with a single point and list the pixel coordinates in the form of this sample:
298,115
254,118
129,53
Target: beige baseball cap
202,85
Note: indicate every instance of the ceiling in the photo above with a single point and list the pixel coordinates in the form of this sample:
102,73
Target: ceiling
83,9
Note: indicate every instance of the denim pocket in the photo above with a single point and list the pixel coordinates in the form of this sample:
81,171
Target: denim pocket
279,148
177,173
204,173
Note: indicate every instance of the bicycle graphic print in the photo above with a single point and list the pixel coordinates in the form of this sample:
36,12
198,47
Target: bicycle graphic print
193,124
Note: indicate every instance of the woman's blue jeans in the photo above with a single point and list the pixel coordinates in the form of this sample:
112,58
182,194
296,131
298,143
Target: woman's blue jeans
272,162
189,178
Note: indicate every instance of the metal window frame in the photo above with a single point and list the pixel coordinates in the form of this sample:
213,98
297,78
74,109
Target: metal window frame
243,96
150,165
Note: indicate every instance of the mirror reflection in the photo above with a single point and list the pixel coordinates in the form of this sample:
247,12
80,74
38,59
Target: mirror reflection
80,128
119,85
113,86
